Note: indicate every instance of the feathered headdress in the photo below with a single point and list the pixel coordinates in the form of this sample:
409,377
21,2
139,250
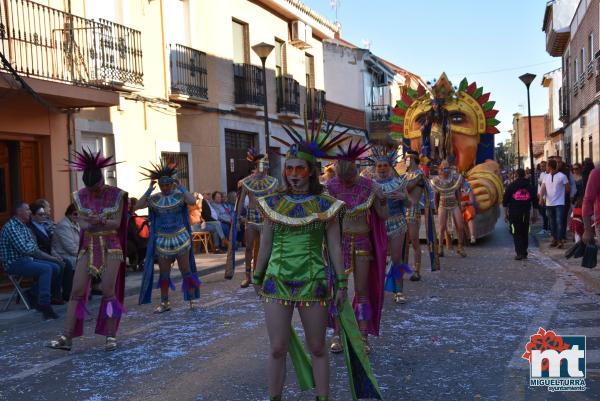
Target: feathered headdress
353,152
253,156
380,154
87,160
163,172
316,143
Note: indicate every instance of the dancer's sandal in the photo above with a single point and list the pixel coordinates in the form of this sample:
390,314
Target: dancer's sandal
164,306
366,344
111,344
399,298
461,252
416,276
336,345
62,342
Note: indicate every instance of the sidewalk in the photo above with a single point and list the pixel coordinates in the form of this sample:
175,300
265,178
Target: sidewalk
591,277
206,264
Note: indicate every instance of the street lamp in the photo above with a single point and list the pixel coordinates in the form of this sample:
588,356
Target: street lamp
527,80
263,50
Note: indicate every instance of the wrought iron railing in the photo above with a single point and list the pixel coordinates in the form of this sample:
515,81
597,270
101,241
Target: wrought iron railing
315,102
288,95
248,84
380,112
188,72
44,42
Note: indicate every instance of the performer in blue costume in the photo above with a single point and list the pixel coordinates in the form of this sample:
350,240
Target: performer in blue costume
394,189
170,236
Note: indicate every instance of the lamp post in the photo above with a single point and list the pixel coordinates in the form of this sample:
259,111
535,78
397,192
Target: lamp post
527,80
263,50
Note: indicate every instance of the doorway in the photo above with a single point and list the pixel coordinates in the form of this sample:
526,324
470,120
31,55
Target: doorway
236,148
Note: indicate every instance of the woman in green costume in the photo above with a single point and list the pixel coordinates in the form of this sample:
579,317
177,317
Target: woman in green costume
291,271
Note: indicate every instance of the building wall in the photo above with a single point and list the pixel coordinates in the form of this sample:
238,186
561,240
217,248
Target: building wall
582,135
343,75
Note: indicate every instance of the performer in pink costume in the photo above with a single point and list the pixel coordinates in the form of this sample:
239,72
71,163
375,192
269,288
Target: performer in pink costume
102,216
364,240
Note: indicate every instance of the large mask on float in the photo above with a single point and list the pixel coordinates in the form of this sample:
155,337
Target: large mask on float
461,116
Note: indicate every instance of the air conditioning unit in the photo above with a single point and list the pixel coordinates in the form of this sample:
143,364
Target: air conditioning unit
300,35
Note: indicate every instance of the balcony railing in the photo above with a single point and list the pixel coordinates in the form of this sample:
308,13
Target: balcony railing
315,102
379,117
44,42
582,79
248,84
288,95
188,72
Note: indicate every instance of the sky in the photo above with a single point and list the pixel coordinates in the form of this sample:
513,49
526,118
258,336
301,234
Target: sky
491,42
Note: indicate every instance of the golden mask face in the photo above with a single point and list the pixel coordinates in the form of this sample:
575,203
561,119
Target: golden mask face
467,122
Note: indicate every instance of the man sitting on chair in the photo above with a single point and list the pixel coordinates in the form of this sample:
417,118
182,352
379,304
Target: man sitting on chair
21,256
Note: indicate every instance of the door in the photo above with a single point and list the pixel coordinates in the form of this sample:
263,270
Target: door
5,187
236,148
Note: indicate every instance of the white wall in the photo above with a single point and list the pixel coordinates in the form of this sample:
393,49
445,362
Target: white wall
344,75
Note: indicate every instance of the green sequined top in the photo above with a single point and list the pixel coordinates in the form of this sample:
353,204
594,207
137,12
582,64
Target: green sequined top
295,273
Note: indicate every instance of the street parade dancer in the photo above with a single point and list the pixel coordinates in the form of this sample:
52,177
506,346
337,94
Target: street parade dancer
447,186
256,185
292,272
419,198
364,240
394,189
170,236
468,205
102,217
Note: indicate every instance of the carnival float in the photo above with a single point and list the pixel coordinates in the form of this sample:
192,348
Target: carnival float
457,124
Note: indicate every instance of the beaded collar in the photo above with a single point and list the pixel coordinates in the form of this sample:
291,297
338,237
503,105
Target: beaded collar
260,186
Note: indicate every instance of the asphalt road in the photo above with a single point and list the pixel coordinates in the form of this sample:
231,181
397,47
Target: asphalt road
460,337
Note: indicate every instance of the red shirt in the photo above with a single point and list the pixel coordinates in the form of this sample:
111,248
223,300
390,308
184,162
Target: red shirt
591,199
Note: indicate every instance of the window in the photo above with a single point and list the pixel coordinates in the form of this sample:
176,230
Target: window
590,148
591,46
582,60
576,153
280,69
310,71
241,53
181,160
575,70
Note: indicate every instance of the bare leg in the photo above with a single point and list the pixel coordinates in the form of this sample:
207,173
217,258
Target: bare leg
361,290
471,227
459,226
413,233
443,219
278,319
109,278
164,267
251,236
81,282
314,321
183,262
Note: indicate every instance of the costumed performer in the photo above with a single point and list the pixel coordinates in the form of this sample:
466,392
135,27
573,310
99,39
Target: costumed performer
102,217
170,236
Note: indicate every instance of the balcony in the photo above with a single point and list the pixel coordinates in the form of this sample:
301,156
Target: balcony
288,97
315,102
248,86
582,79
379,118
43,42
189,78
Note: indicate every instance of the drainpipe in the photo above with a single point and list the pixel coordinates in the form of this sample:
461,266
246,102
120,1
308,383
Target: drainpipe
70,148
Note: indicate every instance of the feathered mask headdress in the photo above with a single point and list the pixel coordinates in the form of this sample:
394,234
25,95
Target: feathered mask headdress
316,143
87,160
253,156
164,173
353,152
379,154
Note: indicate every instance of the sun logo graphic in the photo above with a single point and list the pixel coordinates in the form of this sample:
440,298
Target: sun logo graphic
557,362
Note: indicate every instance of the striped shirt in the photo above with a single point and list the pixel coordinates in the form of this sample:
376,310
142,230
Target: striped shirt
16,242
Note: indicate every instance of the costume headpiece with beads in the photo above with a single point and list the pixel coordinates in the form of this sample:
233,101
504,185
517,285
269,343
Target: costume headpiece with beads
164,173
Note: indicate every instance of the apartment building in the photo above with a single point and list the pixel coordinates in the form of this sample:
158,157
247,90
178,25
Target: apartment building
572,29
554,135
54,63
362,88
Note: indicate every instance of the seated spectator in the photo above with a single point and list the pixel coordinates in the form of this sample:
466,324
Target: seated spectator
212,225
63,282
65,245
21,256
47,222
223,213
137,237
195,213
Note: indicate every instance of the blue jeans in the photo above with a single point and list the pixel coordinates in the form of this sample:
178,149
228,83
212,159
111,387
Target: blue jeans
556,217
40,269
